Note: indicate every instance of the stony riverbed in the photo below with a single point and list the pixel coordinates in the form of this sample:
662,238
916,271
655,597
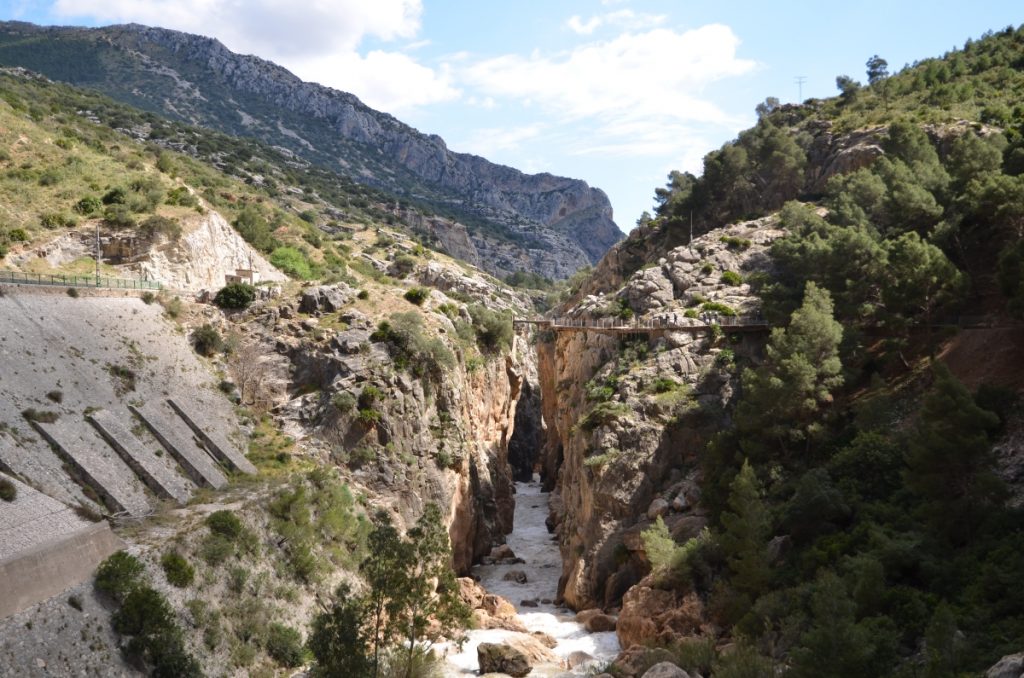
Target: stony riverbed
531,542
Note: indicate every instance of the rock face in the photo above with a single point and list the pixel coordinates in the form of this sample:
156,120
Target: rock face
1010,666
556,224
618,465
494,658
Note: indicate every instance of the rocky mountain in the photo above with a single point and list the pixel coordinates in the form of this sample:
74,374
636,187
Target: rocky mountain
556,224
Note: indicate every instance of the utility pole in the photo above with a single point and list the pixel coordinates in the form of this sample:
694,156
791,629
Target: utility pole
97,253
800,80
690,244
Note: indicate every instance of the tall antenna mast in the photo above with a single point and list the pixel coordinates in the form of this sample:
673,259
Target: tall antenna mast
800,80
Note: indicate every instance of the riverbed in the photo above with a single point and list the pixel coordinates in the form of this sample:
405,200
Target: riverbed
531,541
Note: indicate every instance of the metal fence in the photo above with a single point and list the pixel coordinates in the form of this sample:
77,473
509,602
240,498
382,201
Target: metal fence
61,280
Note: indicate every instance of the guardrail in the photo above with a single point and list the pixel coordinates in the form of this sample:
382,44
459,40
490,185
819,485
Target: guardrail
61,280
663,322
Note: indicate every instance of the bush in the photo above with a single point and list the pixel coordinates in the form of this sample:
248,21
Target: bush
73,292
732,278
207,340
115,196
411,349
8,490
344,402
40,416
363,294
235,296
119,216
493,329
370,395
56,220
417,295
119,575
181,196
177,569
226,524
148,298
716,307
403,265
88,205
157,225
292,262
172,306
17,235
735,243
56,396
369,416
284,645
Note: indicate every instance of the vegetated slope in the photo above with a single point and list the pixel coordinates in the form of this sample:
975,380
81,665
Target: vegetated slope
396,377
857,512
196,80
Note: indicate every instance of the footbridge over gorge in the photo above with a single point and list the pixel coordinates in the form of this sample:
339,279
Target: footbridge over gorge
656,326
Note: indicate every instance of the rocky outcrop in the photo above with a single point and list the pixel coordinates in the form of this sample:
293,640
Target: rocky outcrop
208,250
619,453
1010,666
656,617
554,224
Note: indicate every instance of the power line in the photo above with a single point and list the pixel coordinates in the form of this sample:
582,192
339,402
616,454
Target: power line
800,80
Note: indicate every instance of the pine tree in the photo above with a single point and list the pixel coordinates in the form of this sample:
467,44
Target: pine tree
745,537
783,397
338,638
950,458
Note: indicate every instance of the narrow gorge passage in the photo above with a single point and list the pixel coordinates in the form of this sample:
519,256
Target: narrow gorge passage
531,542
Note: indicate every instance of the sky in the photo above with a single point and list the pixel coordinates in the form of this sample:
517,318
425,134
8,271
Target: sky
615,92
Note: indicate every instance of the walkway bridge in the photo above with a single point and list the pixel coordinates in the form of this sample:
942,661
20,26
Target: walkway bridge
657,326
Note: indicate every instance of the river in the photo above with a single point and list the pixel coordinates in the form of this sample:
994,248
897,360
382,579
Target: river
531,542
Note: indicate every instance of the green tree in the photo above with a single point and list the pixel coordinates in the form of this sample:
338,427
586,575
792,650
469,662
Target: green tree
235,296
338,639
1011,277
877,69
950,460
746,529
783,397
922,279
942,644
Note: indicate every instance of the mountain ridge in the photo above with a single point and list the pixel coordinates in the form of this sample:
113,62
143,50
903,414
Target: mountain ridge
185,76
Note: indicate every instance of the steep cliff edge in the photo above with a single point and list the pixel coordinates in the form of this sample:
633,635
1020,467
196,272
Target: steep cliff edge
197,80
627,417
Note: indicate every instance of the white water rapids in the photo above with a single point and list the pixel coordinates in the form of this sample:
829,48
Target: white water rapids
531,542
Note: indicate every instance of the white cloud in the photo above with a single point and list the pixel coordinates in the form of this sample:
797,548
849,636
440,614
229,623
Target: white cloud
317,39
488,142
644,73
625,19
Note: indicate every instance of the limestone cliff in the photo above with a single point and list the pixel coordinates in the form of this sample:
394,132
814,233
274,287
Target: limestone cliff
627,419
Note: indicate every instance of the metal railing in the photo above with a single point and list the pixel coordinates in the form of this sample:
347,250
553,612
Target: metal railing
664,322
63,280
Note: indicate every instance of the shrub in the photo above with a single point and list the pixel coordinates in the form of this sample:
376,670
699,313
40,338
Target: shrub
8,490
181,196
172,306
207,340
665,385
284,645
369,416
119,575
363,294
370,395
732,278
226,524
716,307
344,402
115,196
56,220
148,298
125,375
403,265
75,601
56,396
417,295
706,268
493,329
73,292
157,225
40,416
143,609
411,349
235,296
177,569
88,205
292,262
17,235
735,243
604,413
119,216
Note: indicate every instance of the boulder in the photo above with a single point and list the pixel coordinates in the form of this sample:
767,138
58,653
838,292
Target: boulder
496,606
495,658
518,576
634,662
600,623
502,551
665,670
652,616
471,593
546,639
578,658
325,298
658,507
529,602
1010,666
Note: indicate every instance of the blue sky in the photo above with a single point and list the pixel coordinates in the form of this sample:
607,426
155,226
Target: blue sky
615,92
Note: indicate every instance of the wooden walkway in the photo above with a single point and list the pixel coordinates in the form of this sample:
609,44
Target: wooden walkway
659,325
